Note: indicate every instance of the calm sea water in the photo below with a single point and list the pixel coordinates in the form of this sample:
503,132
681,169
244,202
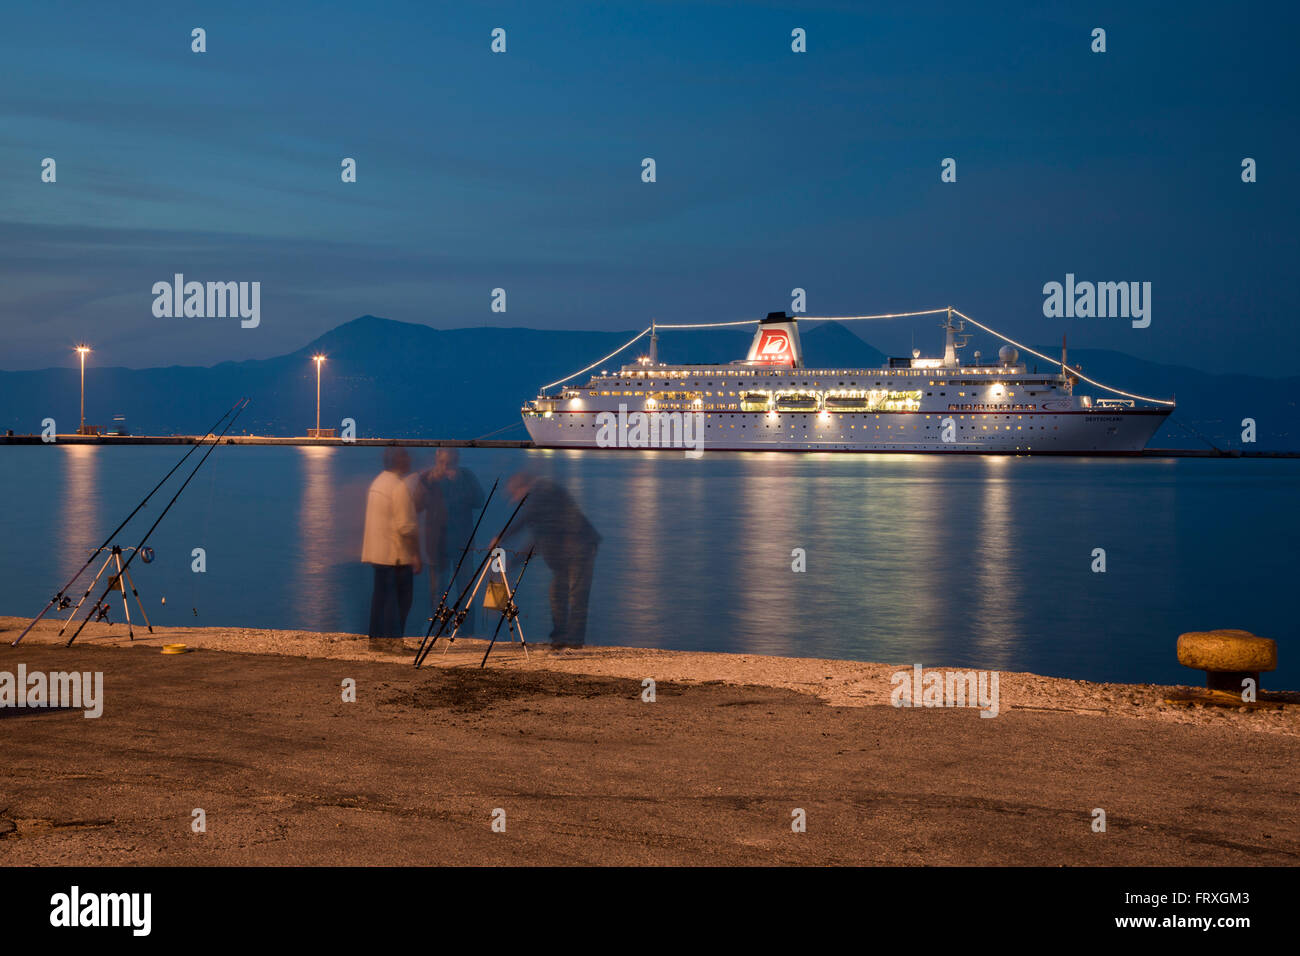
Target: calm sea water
966,561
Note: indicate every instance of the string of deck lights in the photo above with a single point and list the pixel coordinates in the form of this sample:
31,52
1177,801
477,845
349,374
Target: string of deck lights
1048,358
718,325
630,342
706,325
860,318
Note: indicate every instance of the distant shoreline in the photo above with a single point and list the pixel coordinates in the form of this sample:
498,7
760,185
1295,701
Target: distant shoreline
525,443
262,440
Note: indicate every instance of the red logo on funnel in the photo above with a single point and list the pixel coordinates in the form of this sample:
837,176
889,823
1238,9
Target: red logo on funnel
774,348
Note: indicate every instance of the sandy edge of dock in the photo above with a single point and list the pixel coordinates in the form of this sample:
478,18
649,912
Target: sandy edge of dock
835,682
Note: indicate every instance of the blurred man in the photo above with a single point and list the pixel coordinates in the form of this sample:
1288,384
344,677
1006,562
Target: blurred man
459,495
431,516
567,542
391,544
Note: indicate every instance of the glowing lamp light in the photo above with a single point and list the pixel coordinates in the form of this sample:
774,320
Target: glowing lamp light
319,360
82,351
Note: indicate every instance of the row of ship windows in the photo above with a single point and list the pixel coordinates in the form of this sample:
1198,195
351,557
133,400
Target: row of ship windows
1041,428
732,406
692,395
981,408
862,414
779,373
761,373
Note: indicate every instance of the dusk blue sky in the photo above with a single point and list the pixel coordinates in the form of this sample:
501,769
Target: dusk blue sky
523,170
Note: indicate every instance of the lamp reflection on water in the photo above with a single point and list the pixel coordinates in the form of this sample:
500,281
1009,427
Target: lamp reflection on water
322,543
78,520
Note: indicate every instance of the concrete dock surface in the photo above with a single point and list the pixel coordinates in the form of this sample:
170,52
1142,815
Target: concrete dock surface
251,728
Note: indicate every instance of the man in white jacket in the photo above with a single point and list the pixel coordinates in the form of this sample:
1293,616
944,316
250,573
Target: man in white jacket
391,544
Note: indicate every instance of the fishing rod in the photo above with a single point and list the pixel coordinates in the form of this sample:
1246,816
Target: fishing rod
460,612
58,597
457,613
442,611
510,612
240,406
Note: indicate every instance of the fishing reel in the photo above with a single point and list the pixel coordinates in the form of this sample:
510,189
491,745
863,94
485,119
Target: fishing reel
442,614
146,555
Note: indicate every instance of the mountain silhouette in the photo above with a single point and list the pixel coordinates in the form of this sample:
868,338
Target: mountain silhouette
405,380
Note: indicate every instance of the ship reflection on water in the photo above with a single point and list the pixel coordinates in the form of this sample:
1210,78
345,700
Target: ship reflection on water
999,595
973,561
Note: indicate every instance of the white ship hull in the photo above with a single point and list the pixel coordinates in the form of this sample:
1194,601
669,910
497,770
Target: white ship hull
1067,433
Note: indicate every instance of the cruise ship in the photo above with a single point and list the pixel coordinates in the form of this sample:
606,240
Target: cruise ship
771,401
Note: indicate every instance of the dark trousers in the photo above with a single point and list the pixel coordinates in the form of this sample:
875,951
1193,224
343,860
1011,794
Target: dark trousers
390,602
571,573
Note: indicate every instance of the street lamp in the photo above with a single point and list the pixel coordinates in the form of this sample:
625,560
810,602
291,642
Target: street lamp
319,360
81,351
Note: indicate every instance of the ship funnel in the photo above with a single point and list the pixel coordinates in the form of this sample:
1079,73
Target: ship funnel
776,342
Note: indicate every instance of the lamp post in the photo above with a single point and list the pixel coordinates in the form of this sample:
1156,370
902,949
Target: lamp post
319,360
81,351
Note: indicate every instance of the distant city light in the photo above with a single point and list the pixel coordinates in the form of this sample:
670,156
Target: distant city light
319,360
82,351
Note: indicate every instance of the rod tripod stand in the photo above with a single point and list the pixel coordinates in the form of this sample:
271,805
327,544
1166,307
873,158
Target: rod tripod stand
503,600
455,614
443,613
120,579
499,596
